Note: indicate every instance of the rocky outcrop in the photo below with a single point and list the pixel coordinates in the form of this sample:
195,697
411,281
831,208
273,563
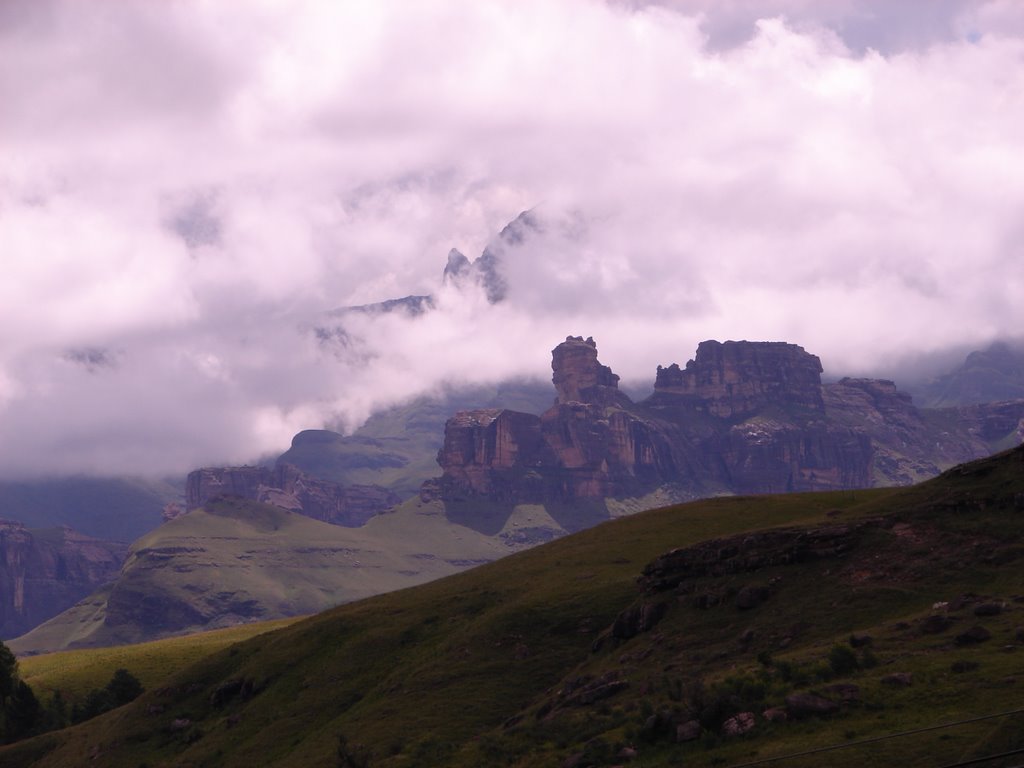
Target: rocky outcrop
750,552
289,488
745,417
735,379
579,377
44,572
741,417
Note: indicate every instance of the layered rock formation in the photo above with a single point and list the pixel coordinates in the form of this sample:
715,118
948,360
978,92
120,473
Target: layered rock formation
740,378
289,488
43,572
741,417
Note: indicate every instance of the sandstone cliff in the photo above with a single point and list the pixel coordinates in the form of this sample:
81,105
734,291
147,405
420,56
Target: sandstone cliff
741,417
43,572
289,488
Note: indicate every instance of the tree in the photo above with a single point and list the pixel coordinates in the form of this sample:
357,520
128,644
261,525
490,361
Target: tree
124,687
19,709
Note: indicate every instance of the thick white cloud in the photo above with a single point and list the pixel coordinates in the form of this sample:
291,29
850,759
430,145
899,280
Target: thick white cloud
185,187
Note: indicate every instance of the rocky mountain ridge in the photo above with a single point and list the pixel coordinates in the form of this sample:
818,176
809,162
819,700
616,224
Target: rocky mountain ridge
42,571
287,487
741,417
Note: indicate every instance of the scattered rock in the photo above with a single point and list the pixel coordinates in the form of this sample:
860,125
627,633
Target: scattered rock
974,635
988,609
751,597
637,619
845,692
179,724
898,679
747,637
739,724
801,705
707,600
936,623
775,715
627,753
860,640
688,731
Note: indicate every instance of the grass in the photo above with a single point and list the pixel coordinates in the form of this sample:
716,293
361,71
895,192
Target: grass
77,672
478,668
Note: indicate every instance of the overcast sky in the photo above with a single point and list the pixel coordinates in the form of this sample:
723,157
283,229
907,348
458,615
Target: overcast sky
185,187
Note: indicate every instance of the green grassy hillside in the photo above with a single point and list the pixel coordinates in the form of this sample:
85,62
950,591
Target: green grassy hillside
539,659
75,673
240,561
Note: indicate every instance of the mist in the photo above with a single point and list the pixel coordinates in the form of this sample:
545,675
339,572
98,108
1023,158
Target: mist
187,191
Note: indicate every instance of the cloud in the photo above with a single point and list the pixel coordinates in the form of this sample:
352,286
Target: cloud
188,187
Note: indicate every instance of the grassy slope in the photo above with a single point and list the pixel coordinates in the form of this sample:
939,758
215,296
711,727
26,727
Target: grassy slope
427,676
77,672
241,560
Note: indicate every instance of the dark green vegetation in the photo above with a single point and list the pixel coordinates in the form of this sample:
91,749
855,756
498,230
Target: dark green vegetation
555,653
23,715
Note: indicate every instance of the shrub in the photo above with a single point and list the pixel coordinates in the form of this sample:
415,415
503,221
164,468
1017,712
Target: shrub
842,660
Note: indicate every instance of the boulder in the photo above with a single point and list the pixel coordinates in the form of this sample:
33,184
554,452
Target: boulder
804,705
898,679
688,731
988,609
973,636
847,693
936,623
739,724
751,596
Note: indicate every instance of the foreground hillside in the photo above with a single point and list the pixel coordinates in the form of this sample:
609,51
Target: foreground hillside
851,615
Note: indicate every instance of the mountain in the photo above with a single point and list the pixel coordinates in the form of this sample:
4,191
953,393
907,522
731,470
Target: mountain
108,508
287,487
717,632
397,448
236,561
43,571
741,417
988,375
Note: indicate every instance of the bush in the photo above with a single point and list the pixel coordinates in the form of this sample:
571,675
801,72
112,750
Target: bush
843,660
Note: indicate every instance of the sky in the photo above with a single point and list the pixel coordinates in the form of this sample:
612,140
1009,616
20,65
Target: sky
187,188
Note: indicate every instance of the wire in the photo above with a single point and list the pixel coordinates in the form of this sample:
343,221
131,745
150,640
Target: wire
875,739
976,760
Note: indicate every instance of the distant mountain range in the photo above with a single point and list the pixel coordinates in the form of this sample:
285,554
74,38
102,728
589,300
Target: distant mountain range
988,375
740,418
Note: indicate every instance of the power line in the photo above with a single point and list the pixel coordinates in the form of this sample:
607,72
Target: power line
976,760
875,739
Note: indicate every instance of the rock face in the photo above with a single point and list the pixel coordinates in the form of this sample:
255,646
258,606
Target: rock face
289,488
43,572
579,377
740,378
741,417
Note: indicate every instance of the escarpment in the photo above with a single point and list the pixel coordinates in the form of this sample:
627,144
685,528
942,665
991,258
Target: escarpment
740,417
